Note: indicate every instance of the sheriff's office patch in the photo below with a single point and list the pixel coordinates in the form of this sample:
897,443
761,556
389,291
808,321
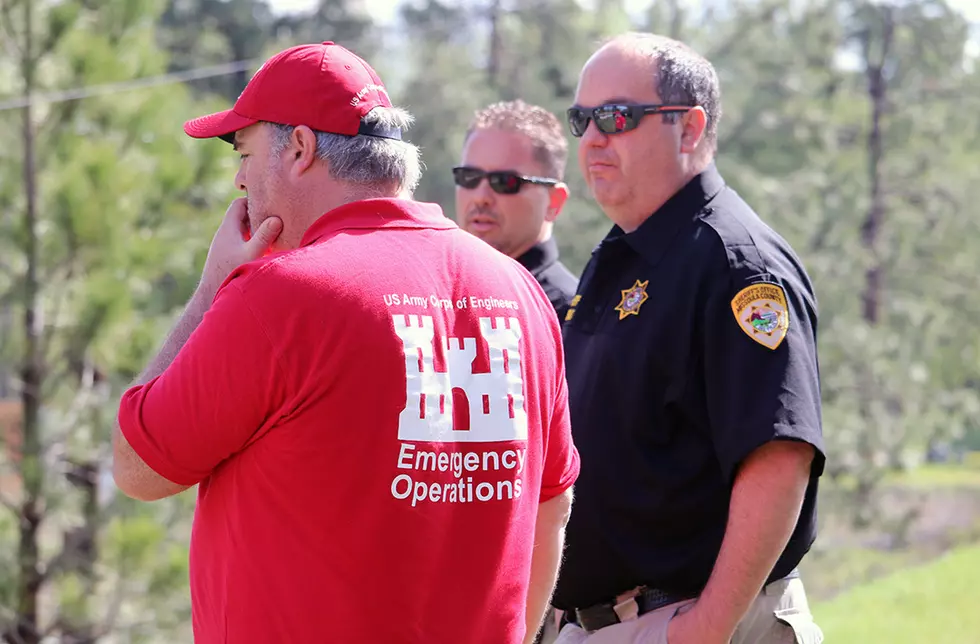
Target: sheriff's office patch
633,299
761,312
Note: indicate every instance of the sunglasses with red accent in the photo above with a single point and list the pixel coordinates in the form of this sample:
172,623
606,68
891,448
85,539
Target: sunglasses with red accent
614,118
502,182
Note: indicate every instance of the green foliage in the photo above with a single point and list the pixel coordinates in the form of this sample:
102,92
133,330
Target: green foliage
439,127
126,206
8,557
197,33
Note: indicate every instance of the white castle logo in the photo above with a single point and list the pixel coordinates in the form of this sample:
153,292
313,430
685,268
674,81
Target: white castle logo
495,400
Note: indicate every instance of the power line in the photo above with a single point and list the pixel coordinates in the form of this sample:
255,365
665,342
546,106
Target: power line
125,86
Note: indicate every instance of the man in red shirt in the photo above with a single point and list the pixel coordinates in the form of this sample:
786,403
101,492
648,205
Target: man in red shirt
372,401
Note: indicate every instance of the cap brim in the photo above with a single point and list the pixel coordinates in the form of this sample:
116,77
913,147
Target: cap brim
220,124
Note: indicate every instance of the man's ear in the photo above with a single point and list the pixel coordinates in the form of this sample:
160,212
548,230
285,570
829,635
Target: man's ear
302,149
694,123
558,195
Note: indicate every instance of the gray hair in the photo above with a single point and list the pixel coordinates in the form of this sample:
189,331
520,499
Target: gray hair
377,164
682,77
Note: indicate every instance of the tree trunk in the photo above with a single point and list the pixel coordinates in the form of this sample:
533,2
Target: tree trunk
27,627
496,45
871,299
676,19
871,230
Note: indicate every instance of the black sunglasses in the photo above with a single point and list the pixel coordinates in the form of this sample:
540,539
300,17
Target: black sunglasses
615,119
502,181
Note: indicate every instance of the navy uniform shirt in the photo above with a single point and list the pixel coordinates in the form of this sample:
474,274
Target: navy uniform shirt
557,281
690,343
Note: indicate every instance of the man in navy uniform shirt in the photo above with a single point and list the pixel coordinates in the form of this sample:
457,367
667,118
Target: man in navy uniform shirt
693,378
509,190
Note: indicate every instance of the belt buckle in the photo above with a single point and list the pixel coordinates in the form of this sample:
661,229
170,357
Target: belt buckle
628,609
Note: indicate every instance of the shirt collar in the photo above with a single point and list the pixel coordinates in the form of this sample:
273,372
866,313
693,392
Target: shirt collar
655,235
375,214
540,256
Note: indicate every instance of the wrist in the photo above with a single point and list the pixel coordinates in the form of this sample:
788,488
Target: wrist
712,622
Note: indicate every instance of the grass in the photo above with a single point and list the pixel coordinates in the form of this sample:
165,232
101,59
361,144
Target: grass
936,602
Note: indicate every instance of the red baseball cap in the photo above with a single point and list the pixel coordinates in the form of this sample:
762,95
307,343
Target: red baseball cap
324,87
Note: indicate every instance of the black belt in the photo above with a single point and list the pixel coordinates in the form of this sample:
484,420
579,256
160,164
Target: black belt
601,615
647,600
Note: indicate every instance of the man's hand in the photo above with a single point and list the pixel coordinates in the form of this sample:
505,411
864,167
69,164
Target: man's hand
686,627
231,246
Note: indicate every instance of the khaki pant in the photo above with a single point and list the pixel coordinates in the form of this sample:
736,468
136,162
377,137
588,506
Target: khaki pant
779,615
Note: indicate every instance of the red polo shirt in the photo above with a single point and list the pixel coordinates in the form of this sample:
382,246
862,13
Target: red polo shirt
373,419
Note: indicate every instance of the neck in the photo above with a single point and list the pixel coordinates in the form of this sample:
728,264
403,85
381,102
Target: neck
327,197
632,215
543,236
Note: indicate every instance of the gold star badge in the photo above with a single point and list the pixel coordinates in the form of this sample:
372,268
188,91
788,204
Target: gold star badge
633,299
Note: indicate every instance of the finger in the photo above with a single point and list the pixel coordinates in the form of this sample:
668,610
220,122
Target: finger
266,234
238,217
244,230
237,210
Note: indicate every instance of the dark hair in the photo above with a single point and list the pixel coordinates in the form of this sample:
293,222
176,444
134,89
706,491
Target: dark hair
682,76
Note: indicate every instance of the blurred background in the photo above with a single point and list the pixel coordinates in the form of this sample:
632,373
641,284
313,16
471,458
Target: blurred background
851,126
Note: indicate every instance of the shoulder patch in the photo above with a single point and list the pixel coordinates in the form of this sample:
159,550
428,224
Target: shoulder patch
761,311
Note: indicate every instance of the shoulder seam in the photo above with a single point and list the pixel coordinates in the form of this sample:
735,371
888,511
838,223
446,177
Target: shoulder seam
759,260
